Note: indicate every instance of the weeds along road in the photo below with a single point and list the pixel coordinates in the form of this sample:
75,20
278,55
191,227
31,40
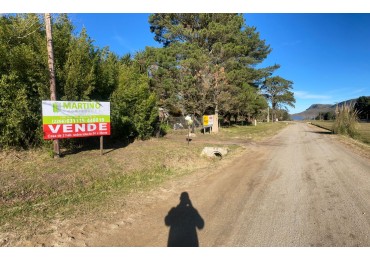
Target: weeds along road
300,188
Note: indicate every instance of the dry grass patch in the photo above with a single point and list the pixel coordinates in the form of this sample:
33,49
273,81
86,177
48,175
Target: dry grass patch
253,133
34,187
363,130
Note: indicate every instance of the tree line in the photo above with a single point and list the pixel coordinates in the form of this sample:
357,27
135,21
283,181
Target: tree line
208,63
361,106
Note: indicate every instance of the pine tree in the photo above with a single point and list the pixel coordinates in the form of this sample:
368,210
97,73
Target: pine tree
205,45
278,93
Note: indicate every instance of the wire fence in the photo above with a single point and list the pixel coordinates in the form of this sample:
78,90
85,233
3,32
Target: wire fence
177,123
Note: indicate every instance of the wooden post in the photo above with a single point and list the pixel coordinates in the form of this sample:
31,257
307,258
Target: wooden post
188,134
101,145
215,122
53,92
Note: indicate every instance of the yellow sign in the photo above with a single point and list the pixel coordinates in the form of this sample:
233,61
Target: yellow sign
205,120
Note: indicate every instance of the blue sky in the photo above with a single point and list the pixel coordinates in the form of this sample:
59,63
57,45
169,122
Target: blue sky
327,56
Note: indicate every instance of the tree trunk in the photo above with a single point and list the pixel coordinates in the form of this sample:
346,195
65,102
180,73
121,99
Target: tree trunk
273,111
193,124
215,121
53,94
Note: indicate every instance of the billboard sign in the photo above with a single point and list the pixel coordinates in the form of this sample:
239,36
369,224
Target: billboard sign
72,119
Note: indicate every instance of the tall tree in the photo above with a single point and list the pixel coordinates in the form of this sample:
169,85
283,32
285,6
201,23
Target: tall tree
133,106
207,45
23,76
251,103
53,90
277,90
163,72
107,71
80,69
363,107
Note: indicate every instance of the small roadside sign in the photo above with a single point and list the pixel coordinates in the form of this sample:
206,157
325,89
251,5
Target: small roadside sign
207,120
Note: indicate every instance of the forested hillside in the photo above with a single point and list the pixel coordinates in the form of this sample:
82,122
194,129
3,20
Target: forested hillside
327,111
208,63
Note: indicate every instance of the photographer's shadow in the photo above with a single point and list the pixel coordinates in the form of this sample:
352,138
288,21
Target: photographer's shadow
183,221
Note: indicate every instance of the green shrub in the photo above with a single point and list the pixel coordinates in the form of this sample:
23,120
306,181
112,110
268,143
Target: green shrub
346,122
19,118
133,106
165,128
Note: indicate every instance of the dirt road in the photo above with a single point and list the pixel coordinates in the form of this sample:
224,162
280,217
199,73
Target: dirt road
300,188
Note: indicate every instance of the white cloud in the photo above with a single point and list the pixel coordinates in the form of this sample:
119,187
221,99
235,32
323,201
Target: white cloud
306,95
359,90
123,43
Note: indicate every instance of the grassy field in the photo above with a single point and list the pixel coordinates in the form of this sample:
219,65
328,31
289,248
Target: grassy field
363,129
36,189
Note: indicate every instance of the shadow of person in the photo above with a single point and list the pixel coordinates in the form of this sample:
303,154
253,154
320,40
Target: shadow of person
183,221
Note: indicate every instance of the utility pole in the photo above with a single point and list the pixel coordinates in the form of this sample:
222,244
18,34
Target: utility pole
53,93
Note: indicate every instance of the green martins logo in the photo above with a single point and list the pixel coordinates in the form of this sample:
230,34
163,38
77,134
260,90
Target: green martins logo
56,107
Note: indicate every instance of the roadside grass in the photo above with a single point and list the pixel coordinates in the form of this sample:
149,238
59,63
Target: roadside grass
36,189
363,129
254,133
328,125
238,133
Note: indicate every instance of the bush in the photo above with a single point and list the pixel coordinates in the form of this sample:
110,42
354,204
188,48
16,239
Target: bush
133,107
165,128
346,122
19,115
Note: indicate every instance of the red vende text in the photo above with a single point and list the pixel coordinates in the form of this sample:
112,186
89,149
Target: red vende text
60,131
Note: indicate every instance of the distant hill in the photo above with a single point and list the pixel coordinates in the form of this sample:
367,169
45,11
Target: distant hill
314,110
